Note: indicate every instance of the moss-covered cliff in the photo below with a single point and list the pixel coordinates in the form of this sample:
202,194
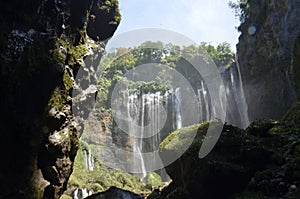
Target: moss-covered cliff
43,44
268,31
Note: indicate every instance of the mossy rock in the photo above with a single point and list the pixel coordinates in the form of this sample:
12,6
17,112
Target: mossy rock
292,117
195,175
153,180
261,128
64,196
237,157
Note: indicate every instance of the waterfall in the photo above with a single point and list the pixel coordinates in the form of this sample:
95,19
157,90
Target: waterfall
148,115
242,104
237,109
144,172
151,116
177,109
236,106
204,103
81,193
88,160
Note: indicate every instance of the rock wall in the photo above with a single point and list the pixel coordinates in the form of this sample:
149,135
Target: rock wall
43,45
265,54
296,66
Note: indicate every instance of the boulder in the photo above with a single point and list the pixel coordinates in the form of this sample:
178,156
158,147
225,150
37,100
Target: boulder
261,160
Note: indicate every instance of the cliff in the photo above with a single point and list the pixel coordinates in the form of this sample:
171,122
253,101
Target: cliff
268,34
43,45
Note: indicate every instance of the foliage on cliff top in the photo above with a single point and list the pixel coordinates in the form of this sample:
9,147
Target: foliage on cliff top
166,57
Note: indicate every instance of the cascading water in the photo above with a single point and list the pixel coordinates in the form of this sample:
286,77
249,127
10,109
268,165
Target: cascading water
151,116
81,193
177,109
148,113
203,103
242,104
236,106
88,160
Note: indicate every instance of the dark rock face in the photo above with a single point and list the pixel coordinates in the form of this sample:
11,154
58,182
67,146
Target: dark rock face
115,193
295,69
43,45
265,55
260,161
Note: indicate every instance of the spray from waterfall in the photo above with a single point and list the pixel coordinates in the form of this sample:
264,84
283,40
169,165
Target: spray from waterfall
148,113
241,100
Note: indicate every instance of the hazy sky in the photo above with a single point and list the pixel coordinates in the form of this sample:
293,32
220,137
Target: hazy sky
211,21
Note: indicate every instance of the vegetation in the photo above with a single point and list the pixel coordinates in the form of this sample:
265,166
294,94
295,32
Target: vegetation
113,69
241,8
101,178
249,11
115,66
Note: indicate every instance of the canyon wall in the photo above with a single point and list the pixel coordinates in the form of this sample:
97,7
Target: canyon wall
268,32
43,45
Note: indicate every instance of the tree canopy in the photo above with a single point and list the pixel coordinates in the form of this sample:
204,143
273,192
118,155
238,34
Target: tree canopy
116,64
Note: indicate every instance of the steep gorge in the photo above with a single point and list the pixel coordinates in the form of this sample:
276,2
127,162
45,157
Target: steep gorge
42,46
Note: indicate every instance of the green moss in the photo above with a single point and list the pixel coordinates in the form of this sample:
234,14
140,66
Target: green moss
68,81
95,187
77,54
153,179
108,4
64,46
64,196
102,177
58,56
38,191
178,138
73,181
84,145
57,99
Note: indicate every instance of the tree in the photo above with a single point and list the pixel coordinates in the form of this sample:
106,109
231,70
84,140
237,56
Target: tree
241,9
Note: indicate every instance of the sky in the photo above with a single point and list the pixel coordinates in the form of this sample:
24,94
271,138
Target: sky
210,21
